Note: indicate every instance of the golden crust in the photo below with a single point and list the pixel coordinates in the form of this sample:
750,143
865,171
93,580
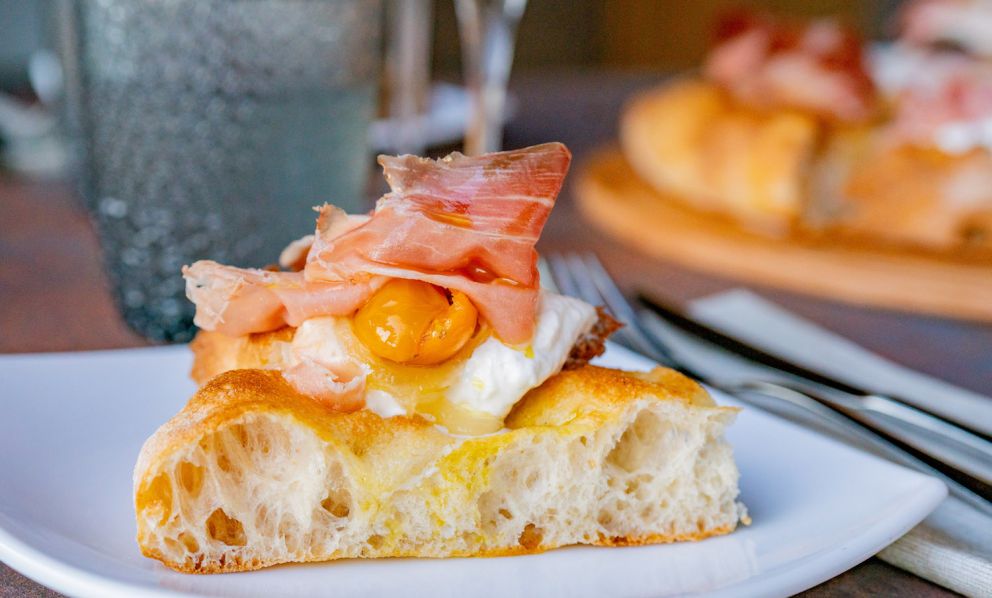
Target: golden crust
591,394
588,393
785,172
238,566
572,402
920,196
236,392
690,139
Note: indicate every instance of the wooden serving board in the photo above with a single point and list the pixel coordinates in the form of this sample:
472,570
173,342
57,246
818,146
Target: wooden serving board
612,197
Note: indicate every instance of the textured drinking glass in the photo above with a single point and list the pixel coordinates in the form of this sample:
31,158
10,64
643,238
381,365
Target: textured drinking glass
208,128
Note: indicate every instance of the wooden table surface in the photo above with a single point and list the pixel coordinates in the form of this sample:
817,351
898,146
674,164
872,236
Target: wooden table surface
53,295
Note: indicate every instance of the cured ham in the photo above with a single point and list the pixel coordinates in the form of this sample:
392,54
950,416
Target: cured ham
337,386
468,224
464,223
964,24
773,64
237,301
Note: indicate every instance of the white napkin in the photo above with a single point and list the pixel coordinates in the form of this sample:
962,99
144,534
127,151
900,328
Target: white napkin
763,324
951,547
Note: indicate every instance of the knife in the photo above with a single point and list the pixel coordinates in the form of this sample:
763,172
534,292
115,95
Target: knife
922,430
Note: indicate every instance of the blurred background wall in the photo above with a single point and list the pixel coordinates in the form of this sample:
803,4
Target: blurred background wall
659,35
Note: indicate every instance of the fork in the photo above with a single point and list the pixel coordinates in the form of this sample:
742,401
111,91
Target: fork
584,277
927,433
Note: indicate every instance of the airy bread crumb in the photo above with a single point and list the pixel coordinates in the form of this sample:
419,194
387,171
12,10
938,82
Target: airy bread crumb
251,473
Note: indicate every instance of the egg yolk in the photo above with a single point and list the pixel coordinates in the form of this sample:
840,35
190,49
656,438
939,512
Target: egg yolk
413,322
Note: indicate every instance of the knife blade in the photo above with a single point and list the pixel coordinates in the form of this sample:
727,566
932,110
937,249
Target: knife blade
680,320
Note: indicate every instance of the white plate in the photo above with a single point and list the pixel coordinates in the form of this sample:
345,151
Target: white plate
71,426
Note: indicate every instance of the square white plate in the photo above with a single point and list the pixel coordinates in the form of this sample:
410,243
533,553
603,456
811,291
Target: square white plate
71,426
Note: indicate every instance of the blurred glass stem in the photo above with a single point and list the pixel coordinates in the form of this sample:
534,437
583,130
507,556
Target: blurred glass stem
488,29
409,70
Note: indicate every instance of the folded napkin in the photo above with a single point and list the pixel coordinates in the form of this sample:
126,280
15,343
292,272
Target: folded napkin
951,547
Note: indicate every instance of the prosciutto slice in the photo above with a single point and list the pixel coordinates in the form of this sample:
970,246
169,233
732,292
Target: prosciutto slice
468,224
465,223
337,386
237,301
775,63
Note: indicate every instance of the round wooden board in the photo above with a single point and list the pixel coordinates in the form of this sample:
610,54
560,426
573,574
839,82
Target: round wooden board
613,198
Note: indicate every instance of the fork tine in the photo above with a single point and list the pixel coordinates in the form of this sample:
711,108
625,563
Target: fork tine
608,289
572,277
611,293
547,277
588,291
561,275
581,279
562,271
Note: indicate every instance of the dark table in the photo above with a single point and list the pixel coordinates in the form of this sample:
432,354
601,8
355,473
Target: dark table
53,295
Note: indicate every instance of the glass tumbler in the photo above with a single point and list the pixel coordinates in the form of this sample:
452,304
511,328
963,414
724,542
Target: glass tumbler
207,129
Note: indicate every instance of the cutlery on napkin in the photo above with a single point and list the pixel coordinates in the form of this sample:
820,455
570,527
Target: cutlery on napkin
951,547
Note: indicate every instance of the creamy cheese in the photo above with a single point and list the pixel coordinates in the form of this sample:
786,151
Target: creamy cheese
897,69
318,339
894,67
496,376
960,137
489,382
383,404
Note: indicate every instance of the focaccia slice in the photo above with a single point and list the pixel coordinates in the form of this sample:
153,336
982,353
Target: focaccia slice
251,473
783,172
920,196
690,140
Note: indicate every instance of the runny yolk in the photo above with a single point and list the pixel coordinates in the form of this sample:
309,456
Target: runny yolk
413,322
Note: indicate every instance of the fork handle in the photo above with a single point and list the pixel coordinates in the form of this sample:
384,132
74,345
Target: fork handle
930,435
949,444
770,396
860,412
